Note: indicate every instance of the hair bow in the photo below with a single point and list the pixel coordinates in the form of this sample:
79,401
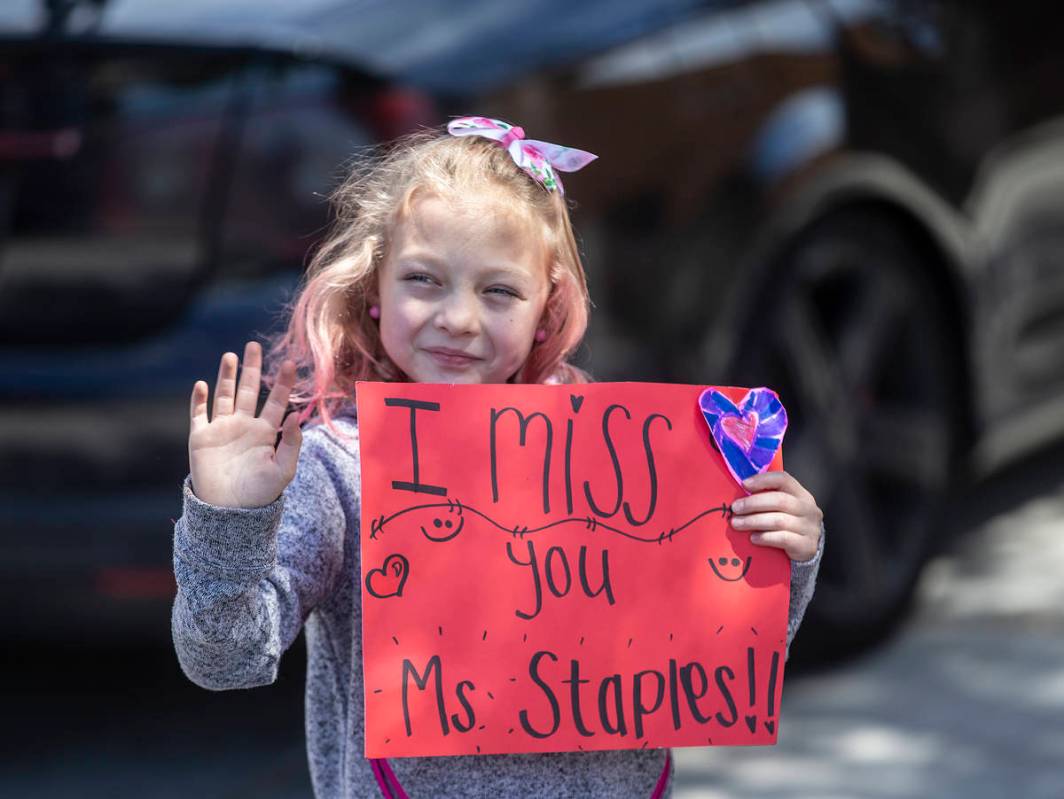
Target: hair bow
539,159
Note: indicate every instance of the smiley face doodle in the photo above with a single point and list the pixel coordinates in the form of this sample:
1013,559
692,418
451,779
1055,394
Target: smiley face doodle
443,529
431,519
724,563
439,528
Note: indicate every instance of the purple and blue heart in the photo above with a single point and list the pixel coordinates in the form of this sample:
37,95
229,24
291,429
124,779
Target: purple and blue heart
748,433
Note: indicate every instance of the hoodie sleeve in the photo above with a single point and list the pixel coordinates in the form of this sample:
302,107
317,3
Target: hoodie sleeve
248,578
803,582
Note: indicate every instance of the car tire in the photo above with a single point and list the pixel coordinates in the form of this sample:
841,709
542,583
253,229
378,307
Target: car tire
850,329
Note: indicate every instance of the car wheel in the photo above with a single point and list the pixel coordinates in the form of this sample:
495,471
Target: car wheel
851,333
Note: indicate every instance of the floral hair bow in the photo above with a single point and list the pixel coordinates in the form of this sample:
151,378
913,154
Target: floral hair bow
540,159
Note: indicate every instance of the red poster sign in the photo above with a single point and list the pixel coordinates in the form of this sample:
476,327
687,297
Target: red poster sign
550,568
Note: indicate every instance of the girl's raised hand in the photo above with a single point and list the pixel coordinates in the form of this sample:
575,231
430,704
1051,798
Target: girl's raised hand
232,457
779,513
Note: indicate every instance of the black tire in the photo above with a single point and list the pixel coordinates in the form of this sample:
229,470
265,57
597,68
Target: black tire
862,352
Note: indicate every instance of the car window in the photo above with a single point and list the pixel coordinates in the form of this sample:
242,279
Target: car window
301,123
107,166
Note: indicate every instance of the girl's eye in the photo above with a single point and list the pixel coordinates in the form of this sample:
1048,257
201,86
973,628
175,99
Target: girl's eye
504,291
419,277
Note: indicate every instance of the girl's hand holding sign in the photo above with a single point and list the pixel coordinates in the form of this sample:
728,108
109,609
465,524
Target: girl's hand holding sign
779,513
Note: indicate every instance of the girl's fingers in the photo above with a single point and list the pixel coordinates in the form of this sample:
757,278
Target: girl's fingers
247,393
277,401
288,449
767,521
768,501
774,538
225,388
777,481
198,405
779,513
797,547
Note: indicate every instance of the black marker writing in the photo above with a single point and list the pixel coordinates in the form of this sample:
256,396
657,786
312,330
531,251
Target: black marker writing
623,697
653,502
725,691
415,484
614,460
524,423
434,667
555,711
639,708
689,690
471,718
559,578
574,683
434,671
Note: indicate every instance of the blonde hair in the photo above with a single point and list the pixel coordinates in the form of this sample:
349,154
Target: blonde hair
330,335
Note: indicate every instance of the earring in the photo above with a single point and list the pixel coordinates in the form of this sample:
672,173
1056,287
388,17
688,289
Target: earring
541,335
375,312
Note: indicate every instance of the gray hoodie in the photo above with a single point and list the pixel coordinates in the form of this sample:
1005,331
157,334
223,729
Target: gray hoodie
249,580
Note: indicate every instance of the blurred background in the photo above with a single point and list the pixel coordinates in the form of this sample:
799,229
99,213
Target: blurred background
857,202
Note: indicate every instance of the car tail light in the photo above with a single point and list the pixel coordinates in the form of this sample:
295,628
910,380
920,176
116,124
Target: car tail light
396,111
136,582
19,145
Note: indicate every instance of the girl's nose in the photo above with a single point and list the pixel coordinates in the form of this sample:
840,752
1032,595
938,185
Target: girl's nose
457,315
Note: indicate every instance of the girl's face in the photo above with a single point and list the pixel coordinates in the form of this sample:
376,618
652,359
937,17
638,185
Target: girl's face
462,290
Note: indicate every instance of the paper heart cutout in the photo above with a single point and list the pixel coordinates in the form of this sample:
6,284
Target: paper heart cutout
389,579
742,429
748,434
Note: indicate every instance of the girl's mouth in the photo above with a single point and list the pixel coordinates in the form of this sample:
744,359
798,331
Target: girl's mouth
448,357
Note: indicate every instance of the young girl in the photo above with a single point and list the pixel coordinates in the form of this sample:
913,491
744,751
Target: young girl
452,261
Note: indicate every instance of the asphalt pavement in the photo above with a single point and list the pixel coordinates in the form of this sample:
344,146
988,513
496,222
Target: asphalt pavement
966,700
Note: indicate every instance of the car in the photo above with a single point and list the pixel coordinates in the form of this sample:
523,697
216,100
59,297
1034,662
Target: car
159,200
857,204
854,202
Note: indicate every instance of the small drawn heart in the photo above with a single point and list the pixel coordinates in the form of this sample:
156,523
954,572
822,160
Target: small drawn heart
751,722
741,428
389,579
748,433
771,727
576,402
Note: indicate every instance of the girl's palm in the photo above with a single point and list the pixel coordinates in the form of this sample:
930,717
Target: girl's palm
232,456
